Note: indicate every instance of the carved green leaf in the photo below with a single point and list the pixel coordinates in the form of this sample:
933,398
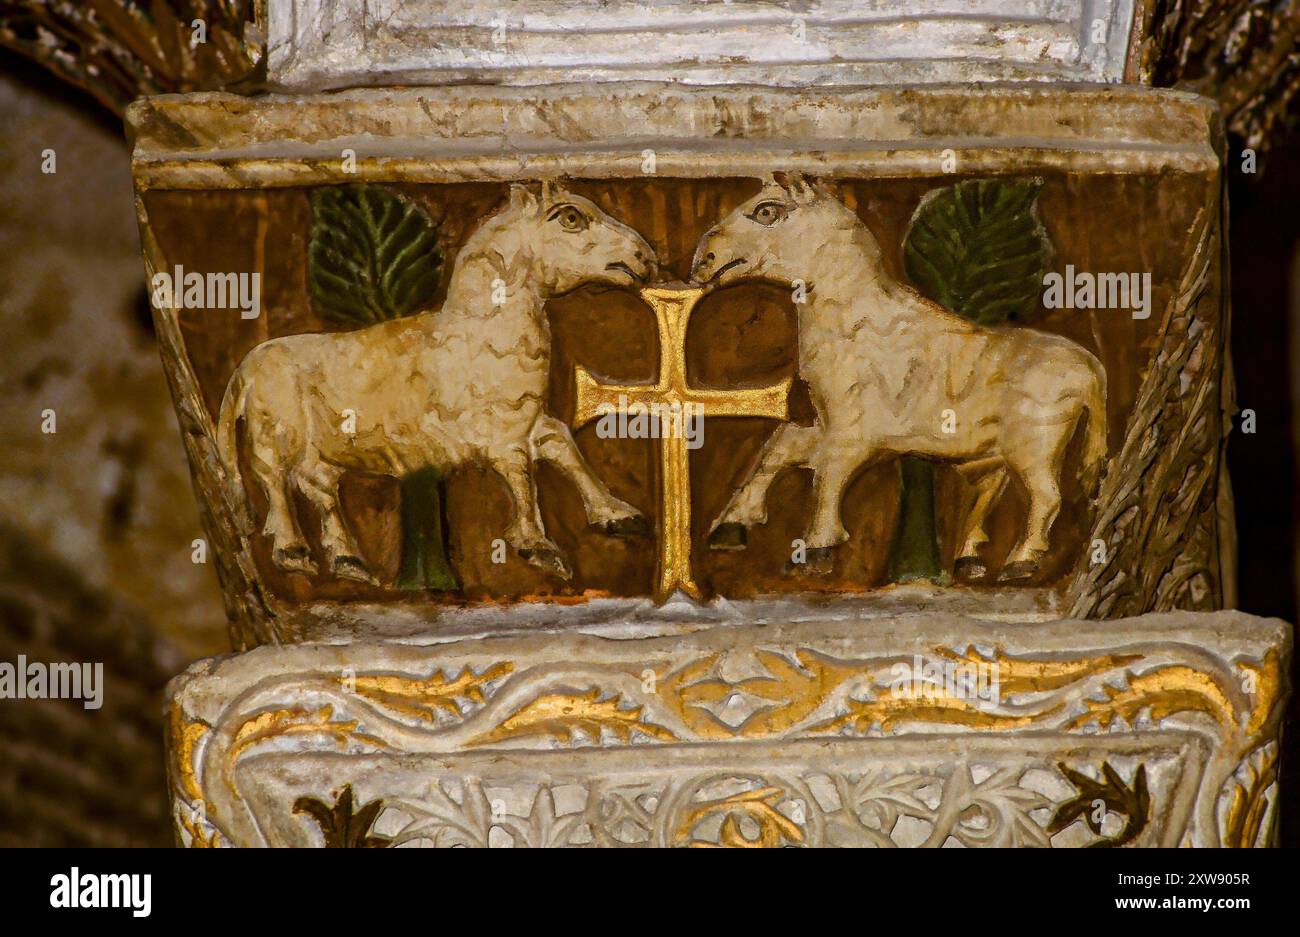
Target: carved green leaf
978,248
373,255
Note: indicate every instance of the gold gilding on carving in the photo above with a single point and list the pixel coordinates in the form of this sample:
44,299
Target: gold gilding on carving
1249,804
424,697
1267,683
191,825
184,737
278,722
1021,675
672,309
795,692
1162,692
759,807
800,691
560,715
889,710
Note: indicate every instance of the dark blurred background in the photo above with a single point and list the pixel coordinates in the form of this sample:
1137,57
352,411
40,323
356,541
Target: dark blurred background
1264,238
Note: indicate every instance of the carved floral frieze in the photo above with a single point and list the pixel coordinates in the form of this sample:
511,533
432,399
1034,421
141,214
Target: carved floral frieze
1165,732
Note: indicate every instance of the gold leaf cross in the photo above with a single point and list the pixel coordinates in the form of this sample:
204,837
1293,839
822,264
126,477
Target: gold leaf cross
672,308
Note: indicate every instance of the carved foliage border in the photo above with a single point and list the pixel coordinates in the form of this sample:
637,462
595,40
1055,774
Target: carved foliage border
252,615
1158,511
796,692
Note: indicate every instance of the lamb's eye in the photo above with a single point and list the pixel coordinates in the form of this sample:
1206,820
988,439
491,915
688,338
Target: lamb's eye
570,218
769,213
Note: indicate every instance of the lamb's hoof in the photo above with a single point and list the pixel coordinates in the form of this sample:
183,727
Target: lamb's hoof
818,561
729,536
970,569
347,566
294,559
548,560
1018,571
634,525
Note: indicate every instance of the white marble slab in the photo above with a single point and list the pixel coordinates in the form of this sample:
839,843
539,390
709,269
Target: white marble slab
320,44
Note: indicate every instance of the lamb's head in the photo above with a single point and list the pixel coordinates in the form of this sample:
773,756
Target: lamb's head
567,240
776,235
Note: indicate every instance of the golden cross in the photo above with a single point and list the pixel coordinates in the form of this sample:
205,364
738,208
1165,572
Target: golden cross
672,308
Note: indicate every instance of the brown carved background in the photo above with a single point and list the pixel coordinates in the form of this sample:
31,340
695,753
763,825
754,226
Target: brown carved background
745,334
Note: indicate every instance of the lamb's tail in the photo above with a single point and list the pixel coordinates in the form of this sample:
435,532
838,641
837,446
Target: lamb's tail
1095,449
232,408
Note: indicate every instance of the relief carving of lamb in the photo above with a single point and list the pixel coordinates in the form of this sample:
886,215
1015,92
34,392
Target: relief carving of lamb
883,364
464,385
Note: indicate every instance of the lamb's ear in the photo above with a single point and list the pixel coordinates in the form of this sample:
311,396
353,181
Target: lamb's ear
521,199
799,186
552,192
796,185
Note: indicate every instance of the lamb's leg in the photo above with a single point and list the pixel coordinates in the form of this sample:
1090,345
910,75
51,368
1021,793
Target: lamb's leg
551,441
1044,504
289,550
526,533
831,471
319,481
791,444
989,482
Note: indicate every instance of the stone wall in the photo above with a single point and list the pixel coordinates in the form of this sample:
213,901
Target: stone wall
108,492
96,520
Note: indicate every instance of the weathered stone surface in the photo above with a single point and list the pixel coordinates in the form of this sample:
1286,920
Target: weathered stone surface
222,141
319,44
796,727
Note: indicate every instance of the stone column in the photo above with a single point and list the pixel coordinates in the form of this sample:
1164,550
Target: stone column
858,450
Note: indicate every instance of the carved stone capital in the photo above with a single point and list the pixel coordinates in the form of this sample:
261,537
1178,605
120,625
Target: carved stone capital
812,727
